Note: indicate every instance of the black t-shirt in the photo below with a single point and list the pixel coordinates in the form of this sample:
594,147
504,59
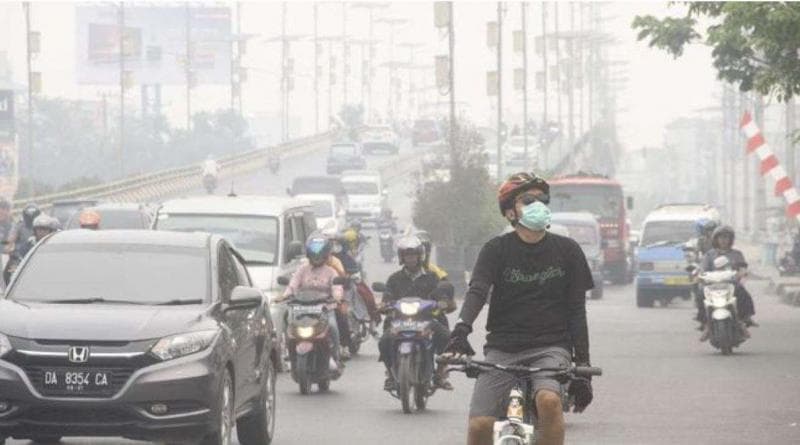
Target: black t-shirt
537,293
400,285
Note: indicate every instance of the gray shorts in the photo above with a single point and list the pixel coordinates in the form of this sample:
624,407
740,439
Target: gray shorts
490,397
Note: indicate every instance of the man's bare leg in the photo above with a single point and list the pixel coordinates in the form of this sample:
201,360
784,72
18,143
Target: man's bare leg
551,418
480,430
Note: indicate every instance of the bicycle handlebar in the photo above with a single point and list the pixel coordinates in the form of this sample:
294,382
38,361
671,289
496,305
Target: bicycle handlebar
468,363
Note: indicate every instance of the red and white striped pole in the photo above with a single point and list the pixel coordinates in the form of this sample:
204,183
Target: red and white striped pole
770,165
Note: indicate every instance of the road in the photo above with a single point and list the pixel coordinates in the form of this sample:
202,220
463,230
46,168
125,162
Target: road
661,386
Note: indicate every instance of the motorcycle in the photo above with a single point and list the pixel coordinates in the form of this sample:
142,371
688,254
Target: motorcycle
726,331
412,344
386,238
210,183
274,163
310,340
788,266
361,326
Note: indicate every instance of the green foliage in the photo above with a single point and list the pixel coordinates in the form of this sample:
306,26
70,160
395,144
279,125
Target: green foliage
462,211
755,44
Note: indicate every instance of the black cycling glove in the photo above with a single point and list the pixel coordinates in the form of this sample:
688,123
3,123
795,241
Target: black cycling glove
581,389
458,343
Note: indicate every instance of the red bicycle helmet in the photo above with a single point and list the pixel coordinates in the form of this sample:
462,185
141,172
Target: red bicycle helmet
519,183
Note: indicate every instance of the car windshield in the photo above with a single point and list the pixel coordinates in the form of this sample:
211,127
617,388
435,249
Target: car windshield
604,201
361,188
135,273
116,219
255,237
584,234
344,150
667,232
319,184
322,209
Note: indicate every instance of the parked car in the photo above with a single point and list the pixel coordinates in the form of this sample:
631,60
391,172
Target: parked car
584,228
115,216
381,138
345,156
365,194
269,232
153,336
64,209
425,131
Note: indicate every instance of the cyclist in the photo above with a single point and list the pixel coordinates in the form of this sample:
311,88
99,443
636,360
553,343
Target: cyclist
537,314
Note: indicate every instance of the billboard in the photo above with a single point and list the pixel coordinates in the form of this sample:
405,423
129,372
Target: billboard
155,43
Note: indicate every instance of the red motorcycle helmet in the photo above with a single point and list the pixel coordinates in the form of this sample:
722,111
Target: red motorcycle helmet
518,183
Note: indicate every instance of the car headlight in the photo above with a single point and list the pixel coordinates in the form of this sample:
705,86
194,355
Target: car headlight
409,308
5,345
180,345
305,331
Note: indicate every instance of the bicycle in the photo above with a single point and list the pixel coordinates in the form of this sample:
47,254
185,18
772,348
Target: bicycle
517,428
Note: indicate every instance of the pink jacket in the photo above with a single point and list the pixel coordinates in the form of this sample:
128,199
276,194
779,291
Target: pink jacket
315,278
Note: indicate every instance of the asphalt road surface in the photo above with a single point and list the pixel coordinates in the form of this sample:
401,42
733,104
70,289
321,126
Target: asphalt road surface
660,385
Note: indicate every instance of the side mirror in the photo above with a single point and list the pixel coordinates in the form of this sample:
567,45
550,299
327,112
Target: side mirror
378,287
244,297
283,280
629,202
294,250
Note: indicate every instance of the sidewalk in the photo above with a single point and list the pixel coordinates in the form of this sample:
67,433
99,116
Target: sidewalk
785,287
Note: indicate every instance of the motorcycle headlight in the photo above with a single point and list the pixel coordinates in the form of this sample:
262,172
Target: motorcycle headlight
180,345
305,331
5,345
409,308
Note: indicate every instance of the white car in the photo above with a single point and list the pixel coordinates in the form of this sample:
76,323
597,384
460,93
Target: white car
365,194
328,212
379,138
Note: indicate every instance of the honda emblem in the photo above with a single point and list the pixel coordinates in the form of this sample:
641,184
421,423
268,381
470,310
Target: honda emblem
78,354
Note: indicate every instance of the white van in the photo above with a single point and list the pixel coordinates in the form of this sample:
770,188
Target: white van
328,211
365,194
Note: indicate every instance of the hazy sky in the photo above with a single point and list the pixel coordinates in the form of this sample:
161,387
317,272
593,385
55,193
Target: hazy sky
658,90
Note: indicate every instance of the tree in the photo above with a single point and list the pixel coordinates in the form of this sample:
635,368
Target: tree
755,44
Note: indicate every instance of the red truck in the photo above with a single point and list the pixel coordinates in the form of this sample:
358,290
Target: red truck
602,196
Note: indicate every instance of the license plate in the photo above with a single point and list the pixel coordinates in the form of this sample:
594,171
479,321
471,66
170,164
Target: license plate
406,348
677,281
408,325
76,381
304,347
307,310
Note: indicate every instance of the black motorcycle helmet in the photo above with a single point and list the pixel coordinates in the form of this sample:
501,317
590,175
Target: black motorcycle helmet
29,213
722,230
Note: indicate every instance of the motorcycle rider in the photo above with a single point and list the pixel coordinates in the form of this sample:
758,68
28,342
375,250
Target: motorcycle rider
22,230
705,228
6,222
412,281
318,275
210,167
722,241
427,243
537,311
340,251
89,219
42,226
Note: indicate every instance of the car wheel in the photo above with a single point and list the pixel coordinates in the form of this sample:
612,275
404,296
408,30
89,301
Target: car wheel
226,417
643,299
258,428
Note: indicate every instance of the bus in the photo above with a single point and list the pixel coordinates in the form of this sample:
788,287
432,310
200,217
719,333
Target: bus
603,197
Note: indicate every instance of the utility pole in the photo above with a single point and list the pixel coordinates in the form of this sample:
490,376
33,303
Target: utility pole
239,53
345,55
31,169
499,90
284,76
236,63
571,79
791,125
189,73
544,63
451,31
558,65
121,151
524,12
758,211
316,67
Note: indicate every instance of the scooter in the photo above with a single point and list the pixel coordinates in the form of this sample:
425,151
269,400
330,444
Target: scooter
361,326
310,340
726,331
386,239
210,183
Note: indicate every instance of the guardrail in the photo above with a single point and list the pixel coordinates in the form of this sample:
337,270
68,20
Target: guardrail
147,187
